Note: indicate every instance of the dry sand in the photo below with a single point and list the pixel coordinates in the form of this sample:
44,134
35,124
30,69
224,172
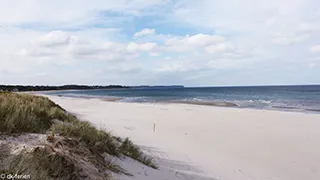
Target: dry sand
202,142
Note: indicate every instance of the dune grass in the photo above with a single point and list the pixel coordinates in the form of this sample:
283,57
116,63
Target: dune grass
24,113
129,149
98,141
43,163
16,165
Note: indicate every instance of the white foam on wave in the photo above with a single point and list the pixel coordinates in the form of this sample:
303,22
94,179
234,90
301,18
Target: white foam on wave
136,99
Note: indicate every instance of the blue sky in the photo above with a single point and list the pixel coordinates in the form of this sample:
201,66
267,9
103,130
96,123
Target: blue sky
160,42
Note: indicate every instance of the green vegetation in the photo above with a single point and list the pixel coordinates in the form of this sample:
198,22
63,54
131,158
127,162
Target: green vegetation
129,149
78,141
46,163
96,140
23,113
15,88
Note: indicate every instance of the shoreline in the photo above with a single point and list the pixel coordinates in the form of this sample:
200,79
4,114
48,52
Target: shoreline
223,104
203,142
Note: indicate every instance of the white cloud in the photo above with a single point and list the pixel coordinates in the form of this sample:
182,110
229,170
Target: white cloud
282,23
60,47
294,34
196,40
145,32
179,64
56,38
144,47
223,36
289,40
315,49
219,48
187,43
203,39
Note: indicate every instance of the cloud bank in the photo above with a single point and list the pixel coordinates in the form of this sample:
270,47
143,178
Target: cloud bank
195,43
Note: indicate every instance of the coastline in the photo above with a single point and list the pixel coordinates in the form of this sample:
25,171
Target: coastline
243,144
279,98
210,103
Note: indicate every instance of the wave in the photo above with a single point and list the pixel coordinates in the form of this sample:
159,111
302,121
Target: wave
136,99
255,101
285,107
313,110
205,103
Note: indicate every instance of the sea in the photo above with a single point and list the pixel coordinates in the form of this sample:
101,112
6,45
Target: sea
305,98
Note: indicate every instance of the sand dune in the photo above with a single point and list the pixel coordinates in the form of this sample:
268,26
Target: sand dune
205,142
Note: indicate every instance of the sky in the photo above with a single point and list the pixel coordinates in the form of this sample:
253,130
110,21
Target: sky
160,42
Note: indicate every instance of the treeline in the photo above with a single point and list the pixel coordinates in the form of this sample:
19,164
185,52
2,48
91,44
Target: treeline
49,88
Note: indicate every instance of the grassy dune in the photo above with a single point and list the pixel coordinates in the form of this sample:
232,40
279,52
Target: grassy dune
73,149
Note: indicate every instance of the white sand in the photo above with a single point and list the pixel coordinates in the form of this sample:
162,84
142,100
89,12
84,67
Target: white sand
202,142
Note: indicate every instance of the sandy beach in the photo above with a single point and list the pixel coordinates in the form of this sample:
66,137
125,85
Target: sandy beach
204,142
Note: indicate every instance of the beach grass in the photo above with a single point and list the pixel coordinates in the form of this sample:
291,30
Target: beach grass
97,140
23,113
129,149
79,140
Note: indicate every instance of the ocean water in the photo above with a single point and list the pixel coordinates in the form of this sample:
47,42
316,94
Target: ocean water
288,98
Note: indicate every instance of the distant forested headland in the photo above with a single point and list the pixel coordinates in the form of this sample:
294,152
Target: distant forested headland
76,87
50,88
